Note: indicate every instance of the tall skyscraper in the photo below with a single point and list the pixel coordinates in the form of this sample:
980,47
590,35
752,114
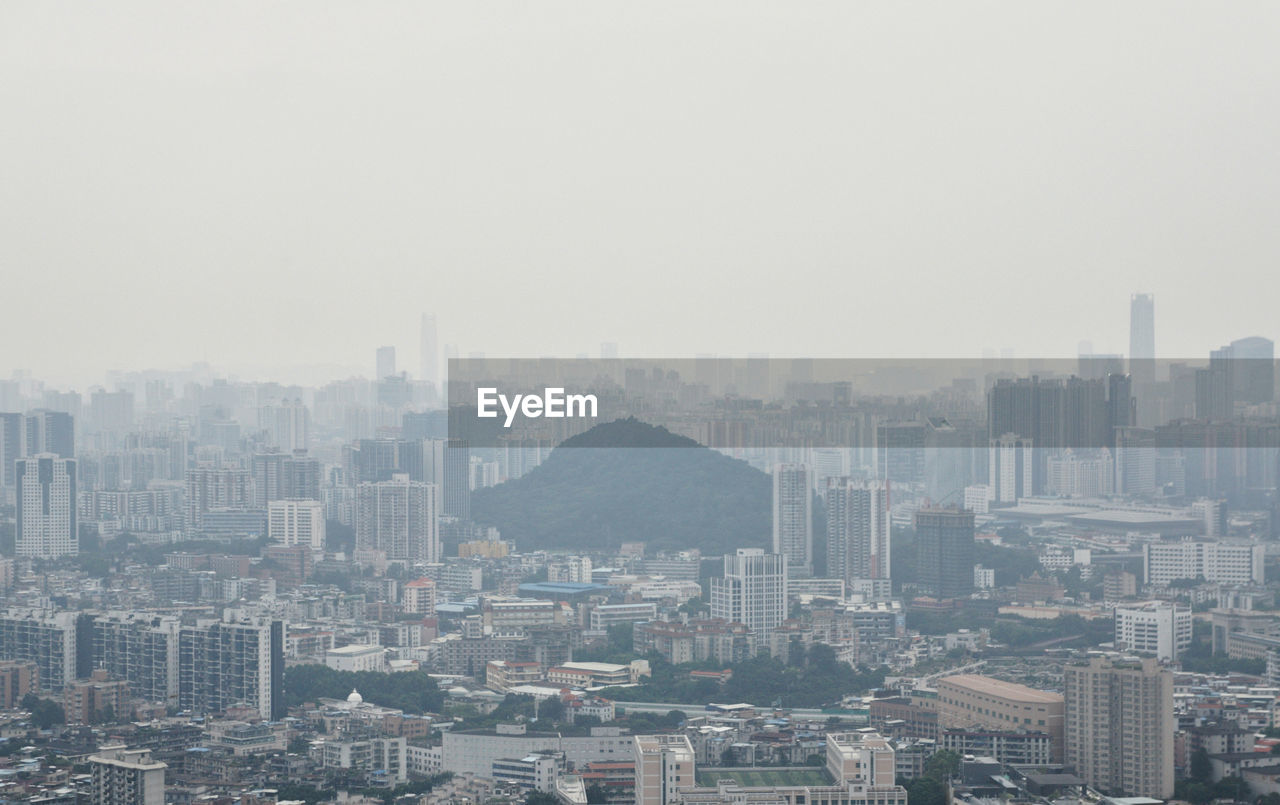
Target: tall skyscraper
50,432
1142,338
123,776
1120,725
10,448
46,495
237,661
386,362
400,518
857,529
944,552
429,351
753,592
793,517
1010,468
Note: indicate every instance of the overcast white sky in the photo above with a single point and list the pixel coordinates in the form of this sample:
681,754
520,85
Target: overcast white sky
268,184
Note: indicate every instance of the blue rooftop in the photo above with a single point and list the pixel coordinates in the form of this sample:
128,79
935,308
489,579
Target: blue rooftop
567,588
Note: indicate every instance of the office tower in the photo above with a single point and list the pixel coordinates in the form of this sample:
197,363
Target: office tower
234,662
140,648
46,498
857,529
1010,468
42,636
900,452
456,488
429,351
1161,628
944,552
1135,462
1122,409
214,488
399,518
663,765
124,776
386,363
49,432
296,522
753,592
1253,370
111,411
11,427
1120,725
793,517
1142,339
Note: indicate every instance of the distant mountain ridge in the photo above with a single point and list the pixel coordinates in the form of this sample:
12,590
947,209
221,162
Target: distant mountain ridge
629,481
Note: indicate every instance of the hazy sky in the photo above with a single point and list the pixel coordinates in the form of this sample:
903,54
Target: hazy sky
264,184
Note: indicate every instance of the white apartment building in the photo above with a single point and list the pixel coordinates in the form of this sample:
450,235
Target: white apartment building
1216,562
753,592
1154,627
296,522
793,516
356,658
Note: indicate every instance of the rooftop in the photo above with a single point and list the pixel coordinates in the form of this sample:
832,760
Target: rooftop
998,687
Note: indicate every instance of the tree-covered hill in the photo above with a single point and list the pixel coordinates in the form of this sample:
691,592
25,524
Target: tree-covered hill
629,481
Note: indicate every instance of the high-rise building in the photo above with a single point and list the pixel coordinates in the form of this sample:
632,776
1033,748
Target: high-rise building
46,497
1120,725
1161,628
234,662
42,636
1142,339
10,448
944,552
49,432
287,424
664,764
111,411
752,592
141,648
386,362
793,517
429,351
399,518
124,776
1135,462
211,488
1010,468
1253,373
857,529
296,522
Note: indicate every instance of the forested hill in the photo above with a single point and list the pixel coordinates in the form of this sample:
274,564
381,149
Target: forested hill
629,481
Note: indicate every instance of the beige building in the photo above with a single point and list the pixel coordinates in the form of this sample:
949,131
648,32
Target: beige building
1120,725
664,764
971,700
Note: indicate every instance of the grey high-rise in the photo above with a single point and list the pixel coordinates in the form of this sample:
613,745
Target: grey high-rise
944,552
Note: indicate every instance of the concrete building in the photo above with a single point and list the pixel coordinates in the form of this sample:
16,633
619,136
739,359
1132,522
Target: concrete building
664,764
1215,562
233,662
752,592
17,679
126,777
857,529
473,751
400,518
419,597
971,700
88,701
296,522
944,552
1154,627
793,517
44,637
356,658
46,507
1120,725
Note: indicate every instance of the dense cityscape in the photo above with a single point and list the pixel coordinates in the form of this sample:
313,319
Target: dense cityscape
1033,585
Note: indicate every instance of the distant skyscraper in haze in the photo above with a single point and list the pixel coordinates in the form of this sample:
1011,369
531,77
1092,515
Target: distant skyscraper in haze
10,449
1010,468
609,351
50,432
1142,338
944,552
1253,370
857,529
46,495
793,517
386,362
429,351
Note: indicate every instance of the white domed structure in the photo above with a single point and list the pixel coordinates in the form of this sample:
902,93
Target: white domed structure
355,697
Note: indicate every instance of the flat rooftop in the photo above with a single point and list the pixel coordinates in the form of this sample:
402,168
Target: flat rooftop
998,687
766,778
